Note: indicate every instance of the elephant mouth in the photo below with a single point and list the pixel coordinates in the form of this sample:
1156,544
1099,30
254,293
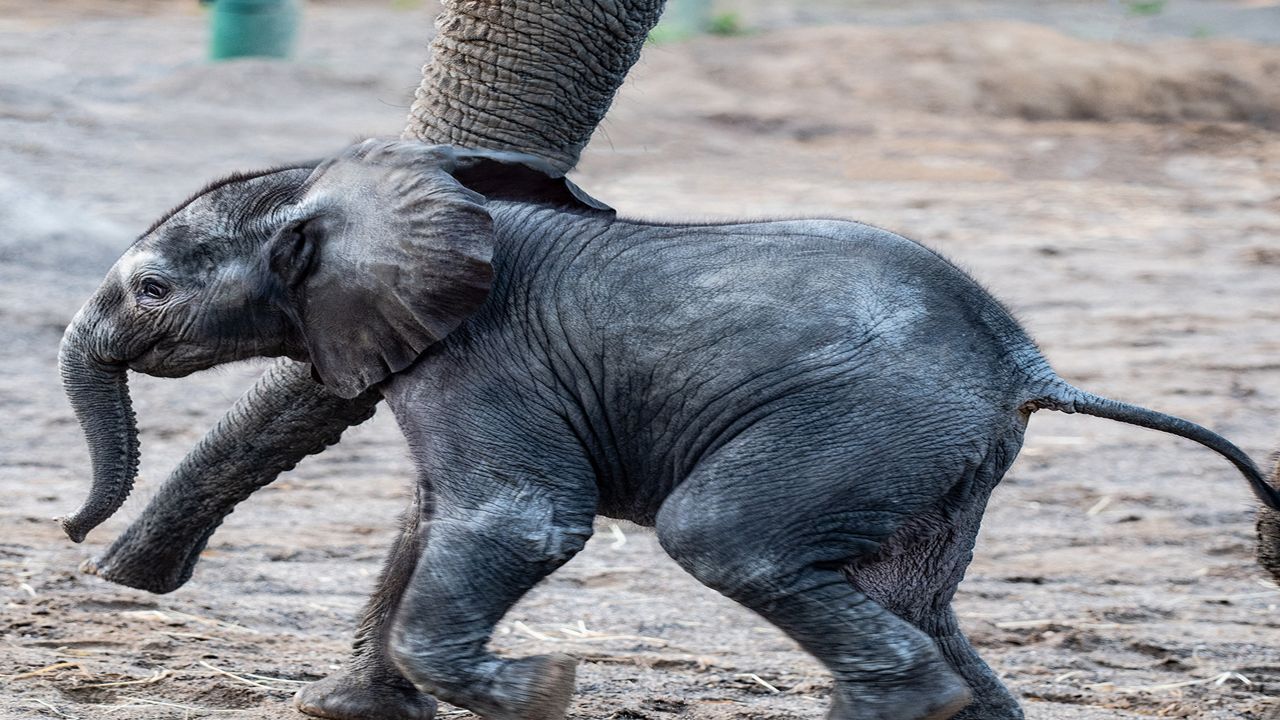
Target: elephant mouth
151,360
168,360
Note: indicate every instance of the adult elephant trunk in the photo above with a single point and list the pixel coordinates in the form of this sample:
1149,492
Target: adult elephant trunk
524,75
534,77
97,386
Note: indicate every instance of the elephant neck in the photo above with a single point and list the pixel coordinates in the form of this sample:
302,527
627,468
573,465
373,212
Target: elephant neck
532,240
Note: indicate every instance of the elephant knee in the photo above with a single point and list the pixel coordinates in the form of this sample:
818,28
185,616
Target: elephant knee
434,664
419,660
725,558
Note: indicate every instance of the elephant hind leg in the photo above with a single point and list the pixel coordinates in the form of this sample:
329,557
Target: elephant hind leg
775,541
918,586
916,576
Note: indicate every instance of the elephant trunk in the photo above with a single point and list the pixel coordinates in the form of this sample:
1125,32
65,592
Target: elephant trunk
159,551
534,77
99,393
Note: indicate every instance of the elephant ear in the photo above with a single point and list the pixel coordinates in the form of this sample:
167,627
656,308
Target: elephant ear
384,255
500,175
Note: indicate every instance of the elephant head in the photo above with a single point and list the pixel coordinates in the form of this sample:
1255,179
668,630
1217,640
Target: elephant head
149,313
356,266
520,76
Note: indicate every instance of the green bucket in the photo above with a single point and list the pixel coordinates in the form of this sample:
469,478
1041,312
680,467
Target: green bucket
253,28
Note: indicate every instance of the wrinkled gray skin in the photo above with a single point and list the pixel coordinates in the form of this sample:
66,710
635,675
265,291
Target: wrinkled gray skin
811,414
535,77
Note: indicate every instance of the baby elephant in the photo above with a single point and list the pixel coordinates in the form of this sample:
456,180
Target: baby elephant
810,413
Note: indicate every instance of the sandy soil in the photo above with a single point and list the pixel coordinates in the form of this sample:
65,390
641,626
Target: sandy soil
1114,577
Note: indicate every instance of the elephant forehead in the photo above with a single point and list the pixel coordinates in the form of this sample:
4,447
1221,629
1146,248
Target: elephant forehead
228,205
179,244
183,253
226,212
134,260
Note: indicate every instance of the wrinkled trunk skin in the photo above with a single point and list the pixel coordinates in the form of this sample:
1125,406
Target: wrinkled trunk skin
158,552
99,393
534,77
1269,531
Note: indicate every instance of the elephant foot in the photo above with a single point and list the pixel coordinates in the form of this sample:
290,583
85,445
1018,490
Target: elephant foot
939,695
991,699
346,696
535,688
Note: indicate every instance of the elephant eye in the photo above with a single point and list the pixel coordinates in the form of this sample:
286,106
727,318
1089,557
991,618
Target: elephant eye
154,289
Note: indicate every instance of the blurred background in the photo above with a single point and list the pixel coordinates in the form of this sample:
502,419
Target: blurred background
1111,169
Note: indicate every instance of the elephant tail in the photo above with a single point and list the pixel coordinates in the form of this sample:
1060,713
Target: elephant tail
1063,397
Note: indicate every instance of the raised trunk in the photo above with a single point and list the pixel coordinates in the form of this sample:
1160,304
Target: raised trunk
535,77
99,394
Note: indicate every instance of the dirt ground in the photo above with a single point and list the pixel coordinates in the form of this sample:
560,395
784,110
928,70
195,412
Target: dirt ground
1123,199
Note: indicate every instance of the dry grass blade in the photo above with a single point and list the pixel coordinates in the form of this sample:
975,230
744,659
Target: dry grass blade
213,622
520,626
582,634
243,679
277,679
619,537
148,615
177,617
185,636
166,703
759,681
155,678
81,652
55,710
1218,679
1049,622
46,670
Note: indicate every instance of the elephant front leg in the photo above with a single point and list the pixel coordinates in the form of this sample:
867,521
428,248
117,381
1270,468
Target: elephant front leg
479,561
370,687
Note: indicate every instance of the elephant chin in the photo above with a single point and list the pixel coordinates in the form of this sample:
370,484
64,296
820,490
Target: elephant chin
99,394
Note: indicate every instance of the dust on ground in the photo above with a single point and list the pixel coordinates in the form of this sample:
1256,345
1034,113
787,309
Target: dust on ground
1123,199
